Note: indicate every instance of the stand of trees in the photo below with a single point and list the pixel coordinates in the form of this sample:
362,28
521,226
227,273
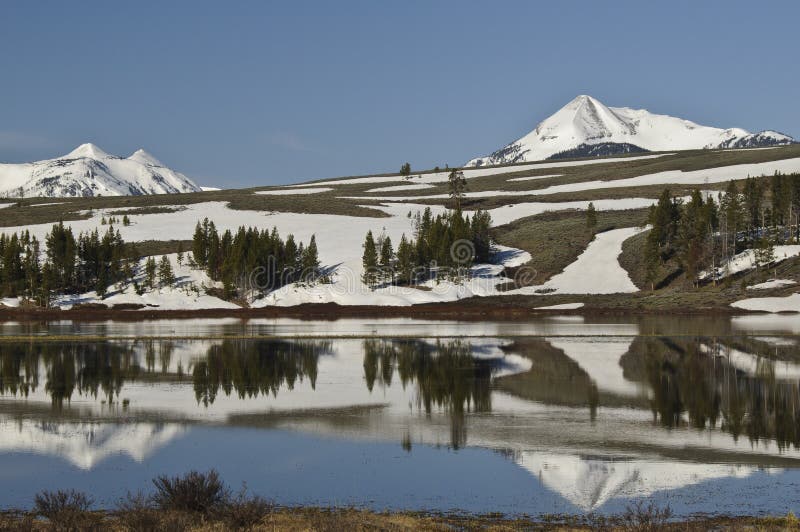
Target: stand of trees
442,246
703,235
253,260
70,264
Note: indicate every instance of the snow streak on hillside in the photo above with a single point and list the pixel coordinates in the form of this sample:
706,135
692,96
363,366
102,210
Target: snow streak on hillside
585,127
89,171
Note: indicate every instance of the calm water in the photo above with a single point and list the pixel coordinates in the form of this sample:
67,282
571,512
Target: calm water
557,415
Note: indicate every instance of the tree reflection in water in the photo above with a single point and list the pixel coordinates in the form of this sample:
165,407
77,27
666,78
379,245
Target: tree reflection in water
91,369
694,383
255,367
446,374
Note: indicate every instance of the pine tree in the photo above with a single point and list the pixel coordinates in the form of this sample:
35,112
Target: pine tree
764,253
369,261
180,253
200,244
150,269
652,259
405,170
405,261
386,260
457,186
591,217
165,275
696,226
310,260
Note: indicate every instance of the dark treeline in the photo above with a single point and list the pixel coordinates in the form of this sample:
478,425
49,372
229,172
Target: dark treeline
90,261
689,380
702,235
92,369
253,260
253,368
88,369
442,246
446,374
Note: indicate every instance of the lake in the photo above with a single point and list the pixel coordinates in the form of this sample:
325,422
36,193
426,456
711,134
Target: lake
553,415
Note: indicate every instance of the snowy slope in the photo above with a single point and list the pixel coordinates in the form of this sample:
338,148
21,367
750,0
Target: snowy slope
585,123
89,171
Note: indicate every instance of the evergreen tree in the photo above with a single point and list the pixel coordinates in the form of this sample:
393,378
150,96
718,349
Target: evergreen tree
150,269
386,260
591,217
764,253
200,244
61,254
693,230
753,204
732,218
405,170
405,261
165,275
310,260
457,186
652,259
369,261
481,224
780,190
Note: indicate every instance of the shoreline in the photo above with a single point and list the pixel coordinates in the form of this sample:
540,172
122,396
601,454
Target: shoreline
463,310
637,517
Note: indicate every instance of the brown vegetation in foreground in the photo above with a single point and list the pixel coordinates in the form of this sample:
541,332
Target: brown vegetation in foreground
202,502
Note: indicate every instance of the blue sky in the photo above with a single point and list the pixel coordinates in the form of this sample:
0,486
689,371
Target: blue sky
246,93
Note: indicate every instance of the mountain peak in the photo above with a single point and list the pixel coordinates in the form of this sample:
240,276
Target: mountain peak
89,171
587,127
582,99
144,157
87,150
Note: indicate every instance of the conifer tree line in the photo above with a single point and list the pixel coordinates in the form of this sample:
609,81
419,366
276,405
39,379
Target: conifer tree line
441,247
702,234
253,260
69,265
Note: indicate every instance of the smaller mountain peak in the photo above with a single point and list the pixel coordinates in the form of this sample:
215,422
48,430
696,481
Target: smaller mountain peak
582,99
144,157
87,150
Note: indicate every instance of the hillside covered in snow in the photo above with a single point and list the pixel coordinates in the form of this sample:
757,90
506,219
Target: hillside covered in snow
544,254
88,171
585,127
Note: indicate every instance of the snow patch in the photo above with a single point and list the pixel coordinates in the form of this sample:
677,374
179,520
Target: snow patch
772,283
789,303
294,191
562,306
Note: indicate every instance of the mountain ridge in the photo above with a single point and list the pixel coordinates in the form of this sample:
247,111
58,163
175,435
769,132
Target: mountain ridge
89,171
586,127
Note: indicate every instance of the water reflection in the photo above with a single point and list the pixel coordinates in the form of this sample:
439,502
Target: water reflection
447,374
708,382
592,419
255,367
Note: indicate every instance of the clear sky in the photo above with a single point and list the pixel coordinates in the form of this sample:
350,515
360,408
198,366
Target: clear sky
246,93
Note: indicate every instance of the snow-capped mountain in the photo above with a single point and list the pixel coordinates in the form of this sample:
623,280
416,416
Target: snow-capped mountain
89,171
585,127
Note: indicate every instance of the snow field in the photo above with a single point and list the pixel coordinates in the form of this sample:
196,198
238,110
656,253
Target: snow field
339,239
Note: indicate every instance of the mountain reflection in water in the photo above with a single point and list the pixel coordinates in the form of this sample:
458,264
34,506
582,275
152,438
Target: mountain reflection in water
591,418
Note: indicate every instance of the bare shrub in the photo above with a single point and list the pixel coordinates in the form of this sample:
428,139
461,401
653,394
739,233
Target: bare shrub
66,509
243,512
136,513
641,517
194,492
